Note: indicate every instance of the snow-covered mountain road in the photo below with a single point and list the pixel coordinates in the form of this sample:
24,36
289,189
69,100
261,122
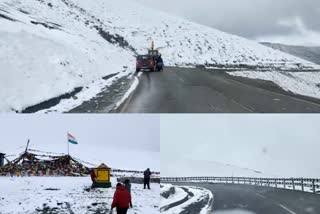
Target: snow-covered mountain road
57,55
188,90
261,200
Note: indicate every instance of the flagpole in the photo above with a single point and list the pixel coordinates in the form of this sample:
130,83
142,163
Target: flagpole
68,143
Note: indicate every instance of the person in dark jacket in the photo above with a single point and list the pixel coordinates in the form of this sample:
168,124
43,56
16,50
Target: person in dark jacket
146,178
93,177
121,199
159,63
127,186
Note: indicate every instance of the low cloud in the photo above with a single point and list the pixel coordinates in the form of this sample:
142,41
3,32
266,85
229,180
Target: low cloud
300,34
250,18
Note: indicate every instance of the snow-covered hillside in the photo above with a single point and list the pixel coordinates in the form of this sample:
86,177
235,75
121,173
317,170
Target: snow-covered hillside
183,42
49,47
186,168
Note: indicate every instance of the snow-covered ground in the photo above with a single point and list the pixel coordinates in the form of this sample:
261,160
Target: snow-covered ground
48,47
304,83
198,195
30,195
178,195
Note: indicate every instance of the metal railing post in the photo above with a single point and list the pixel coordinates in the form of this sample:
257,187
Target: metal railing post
295,182
313,186
293,186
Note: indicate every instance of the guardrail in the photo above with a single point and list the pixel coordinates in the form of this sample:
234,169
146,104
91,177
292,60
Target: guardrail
300,184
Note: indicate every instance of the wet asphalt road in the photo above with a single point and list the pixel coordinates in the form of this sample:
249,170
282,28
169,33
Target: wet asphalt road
184,90
261,200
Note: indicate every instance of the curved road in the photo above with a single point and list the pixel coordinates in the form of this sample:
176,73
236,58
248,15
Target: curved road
182,90
261,200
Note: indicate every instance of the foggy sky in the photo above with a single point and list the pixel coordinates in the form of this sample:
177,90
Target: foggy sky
120,141
259,20
281,145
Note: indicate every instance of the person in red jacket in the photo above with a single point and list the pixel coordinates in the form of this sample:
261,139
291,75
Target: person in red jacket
121,199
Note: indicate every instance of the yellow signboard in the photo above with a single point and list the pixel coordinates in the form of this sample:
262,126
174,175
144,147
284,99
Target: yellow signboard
103,175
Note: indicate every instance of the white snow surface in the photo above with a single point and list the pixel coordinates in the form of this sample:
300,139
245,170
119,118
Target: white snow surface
303,83
200,168
38,63
200,194
177,196
26,194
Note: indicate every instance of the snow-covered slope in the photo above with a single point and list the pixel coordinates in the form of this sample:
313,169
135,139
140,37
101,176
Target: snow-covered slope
50,47
186,168
183,42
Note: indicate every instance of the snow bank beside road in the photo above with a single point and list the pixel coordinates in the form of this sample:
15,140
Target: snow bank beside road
29,195
178,195
303,83
184,197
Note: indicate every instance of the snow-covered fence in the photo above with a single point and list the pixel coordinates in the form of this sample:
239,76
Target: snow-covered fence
134,171
301,184
138,180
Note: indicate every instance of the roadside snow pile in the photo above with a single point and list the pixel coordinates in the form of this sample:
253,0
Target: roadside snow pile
303,83
30,195
177,199
173,194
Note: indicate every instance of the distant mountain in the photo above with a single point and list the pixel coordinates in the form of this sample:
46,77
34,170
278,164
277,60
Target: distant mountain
311,54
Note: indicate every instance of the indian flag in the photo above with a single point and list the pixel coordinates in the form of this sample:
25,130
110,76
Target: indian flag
72,139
